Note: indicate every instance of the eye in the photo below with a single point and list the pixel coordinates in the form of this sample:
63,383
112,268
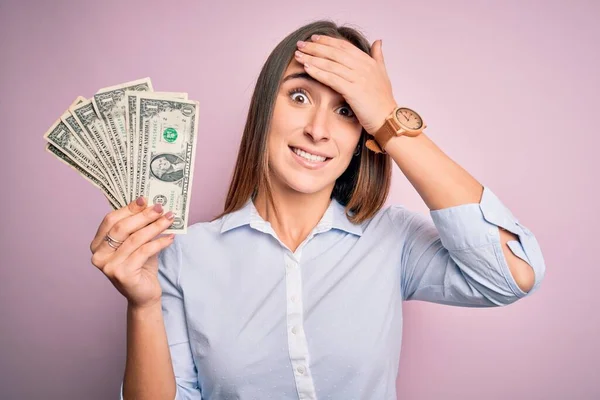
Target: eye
348,112
298,95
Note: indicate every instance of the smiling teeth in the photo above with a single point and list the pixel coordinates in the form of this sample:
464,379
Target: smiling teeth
308,156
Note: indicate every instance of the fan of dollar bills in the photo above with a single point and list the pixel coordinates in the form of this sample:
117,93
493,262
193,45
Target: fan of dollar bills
130,141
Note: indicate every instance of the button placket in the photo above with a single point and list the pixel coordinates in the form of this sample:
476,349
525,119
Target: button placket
297,344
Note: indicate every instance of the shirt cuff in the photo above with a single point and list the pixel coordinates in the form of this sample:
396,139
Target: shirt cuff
476,224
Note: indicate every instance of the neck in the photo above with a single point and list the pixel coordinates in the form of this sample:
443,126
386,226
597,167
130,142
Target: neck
297,213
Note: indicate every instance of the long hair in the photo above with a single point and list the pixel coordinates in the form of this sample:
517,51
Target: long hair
364,185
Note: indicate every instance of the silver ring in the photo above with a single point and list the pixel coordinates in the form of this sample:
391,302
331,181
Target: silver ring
111,244
111,239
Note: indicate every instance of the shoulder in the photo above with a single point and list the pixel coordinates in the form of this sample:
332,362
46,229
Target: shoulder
396,219
201,239
200,232
393,213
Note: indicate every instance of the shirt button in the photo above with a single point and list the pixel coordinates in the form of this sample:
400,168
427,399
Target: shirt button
295,330
293,299
300,370
492,231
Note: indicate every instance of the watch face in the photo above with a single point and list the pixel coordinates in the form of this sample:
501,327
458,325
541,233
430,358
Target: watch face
409,118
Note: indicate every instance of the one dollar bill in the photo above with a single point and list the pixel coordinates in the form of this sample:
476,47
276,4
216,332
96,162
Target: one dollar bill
50,148
167,129
110,104
132,135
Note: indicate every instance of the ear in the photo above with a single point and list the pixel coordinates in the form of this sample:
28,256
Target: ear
377,52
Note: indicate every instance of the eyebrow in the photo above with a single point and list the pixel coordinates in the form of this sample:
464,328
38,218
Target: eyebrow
306,76
299,75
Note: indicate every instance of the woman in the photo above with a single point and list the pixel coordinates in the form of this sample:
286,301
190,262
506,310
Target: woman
296,290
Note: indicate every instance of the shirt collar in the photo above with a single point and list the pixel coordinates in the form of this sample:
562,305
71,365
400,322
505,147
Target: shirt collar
237,218
334,217
340,219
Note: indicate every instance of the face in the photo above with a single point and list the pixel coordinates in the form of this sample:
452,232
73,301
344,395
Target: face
161,165
313,136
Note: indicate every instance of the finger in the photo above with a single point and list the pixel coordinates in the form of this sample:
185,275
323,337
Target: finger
336,54
326,65
141,237
143,253
129,225
113,217
338,43
377,52
342,46
332,80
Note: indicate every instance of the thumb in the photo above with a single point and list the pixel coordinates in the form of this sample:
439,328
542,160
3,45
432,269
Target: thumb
376,51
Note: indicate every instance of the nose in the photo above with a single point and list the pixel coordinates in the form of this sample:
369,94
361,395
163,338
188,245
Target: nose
318,126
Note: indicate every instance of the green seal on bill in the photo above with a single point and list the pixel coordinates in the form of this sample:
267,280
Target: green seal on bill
170,135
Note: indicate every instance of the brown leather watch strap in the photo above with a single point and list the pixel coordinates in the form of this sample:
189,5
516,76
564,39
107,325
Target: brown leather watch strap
382,136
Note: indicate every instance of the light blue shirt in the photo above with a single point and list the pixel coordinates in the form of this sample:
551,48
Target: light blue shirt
246,318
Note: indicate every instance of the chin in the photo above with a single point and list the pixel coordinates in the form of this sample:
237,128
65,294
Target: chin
309,189
304,183
309,185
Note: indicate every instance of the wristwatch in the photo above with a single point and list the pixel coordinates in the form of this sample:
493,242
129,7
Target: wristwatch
401,121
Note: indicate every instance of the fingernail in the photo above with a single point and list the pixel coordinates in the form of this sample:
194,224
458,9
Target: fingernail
315,37
169,215
298,54
140,201
158,208
300,44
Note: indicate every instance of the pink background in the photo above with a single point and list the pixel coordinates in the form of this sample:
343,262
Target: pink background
509,89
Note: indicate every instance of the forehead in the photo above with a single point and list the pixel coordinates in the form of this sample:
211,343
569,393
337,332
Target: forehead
296,70
295,73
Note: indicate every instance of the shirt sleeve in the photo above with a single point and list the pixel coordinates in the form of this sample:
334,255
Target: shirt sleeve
456,257
174,318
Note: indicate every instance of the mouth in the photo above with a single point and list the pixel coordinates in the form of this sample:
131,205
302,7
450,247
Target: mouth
309,160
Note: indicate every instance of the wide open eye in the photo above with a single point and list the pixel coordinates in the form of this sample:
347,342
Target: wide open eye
298,95
348,112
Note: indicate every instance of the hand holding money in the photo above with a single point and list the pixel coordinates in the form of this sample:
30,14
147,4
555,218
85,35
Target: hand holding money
129,257
130,141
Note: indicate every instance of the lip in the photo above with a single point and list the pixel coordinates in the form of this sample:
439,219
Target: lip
316,153
309,164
